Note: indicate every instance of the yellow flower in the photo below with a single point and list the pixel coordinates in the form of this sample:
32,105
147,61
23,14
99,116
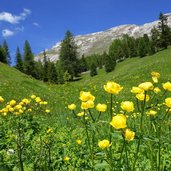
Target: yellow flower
66,158
50,130
33,96
1,99
104,144
156,90
20,111
12,103
155,76
101,107
86,96
45,103
151,112
168,102
119,121
146,86
38,99
78,141
141,97
128,106
8,106
137,90
129,135
11,109
80,114
167,86
112,87
47,111
26,101
29,110
18,107
87,105
72,106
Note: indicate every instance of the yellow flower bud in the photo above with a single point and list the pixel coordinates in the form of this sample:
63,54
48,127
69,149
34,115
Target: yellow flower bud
151,112
168,102
167,86
78,141
155,76
80,114
137,90
47,111
141,97
33,96
38,99
12,103
146,86
87,105
1,99
72,106
156,90
86,96
66,158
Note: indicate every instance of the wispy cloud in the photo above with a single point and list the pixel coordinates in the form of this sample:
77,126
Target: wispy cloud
19,29
7,33
36,24
14,19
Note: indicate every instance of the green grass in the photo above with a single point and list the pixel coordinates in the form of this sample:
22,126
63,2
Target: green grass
131,72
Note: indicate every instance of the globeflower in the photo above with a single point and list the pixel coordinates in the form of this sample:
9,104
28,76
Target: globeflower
156,90
86,96
78,141
104,144
38,99
137,90
12,103
155,76
146,86
33,96
112,87
119,121
47,111
167,86
168,102
129,135
141,97
80,114
151,112
66,158
72,106
1,99
101,107
87,105
127,106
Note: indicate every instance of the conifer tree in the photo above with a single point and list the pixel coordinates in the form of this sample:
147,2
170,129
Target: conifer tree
6,52
93,70
2,55
165,31
68,55
142,47
29,64
53,76
110,63
155,39
19,62
45,67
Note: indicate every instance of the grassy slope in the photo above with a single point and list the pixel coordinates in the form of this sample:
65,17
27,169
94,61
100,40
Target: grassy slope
131,72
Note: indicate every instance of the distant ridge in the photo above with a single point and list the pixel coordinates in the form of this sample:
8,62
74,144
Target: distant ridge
99,42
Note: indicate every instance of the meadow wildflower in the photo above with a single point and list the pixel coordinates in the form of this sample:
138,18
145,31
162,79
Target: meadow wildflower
87,105
146,86
104,144
167,86
101,107
50,130
141,97
155,76
119,121
12,103
137,90
157,90
86,96
33,96
38,99
66,158
72,106
112,87
1,99
129,135
78,141
151,112
168,102
47,111
127,106
18,107
80,114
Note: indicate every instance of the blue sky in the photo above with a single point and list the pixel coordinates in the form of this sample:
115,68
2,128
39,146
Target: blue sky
44,22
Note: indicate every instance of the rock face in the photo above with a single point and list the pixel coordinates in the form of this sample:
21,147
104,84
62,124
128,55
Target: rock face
100,41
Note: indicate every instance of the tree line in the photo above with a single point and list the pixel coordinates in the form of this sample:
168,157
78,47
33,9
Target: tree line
69,66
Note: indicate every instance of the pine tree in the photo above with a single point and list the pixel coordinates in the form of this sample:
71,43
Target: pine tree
142,47
6,51
53,76
68,55
165,31
83,64
19,62
155,39
110,63
45,67
29,64
2,55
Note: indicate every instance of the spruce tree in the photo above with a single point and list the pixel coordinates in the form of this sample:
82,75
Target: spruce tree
110,63
45,67
142,47
6,52
165,31
68,55
19,62
93,70
2,55
29,64
155,39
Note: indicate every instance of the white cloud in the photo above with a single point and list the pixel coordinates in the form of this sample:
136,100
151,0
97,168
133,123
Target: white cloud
14,19
19,29
36,24
7,33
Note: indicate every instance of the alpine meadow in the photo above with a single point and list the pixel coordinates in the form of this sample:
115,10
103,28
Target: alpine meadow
98,102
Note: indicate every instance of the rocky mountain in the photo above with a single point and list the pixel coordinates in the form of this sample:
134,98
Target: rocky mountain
100,41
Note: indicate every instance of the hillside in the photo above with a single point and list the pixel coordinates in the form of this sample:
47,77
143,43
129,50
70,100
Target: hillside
15,85
100,41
